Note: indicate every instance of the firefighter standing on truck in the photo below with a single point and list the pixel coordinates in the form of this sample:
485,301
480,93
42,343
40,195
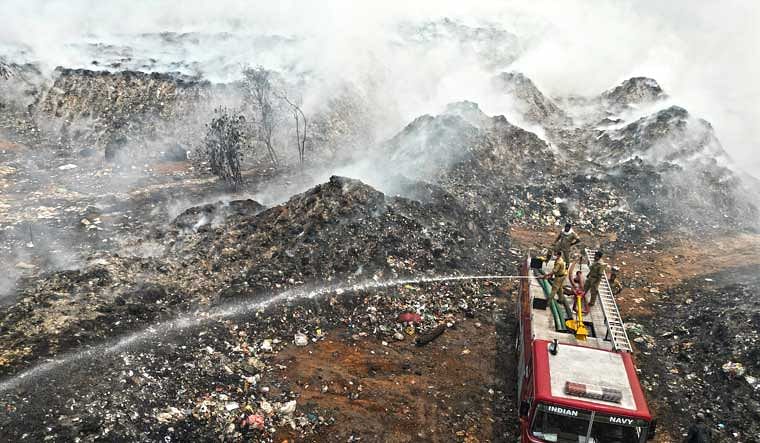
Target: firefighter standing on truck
595,275
566,239
557,277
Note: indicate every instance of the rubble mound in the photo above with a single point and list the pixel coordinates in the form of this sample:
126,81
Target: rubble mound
488,44
670,134
470,112
429,145
506,175
634,91
673,168
89,108
530,101
212,214
672,164
340,229
464,147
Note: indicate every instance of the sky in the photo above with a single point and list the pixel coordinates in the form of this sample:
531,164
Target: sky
703,53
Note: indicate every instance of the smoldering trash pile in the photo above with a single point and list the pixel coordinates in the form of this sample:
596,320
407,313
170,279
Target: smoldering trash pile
145,300
220,278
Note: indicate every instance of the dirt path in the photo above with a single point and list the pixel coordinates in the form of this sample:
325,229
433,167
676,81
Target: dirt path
460,387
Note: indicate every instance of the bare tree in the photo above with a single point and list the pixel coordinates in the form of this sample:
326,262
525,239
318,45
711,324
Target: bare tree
300,120
258,85
224,143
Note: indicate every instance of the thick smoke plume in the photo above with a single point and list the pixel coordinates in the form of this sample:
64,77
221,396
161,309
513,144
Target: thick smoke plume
700,52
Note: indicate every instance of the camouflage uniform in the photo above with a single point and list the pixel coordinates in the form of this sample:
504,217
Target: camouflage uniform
565,242
594,277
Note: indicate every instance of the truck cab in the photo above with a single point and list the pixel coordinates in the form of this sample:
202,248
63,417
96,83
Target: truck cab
576,388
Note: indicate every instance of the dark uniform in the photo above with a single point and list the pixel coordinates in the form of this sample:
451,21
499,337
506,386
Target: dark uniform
595,275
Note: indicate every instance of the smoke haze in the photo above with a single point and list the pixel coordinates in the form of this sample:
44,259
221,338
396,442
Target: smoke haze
701,52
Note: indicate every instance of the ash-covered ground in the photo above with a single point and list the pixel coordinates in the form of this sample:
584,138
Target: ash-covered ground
144,299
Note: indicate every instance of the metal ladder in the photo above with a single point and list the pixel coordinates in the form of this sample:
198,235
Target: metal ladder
615,327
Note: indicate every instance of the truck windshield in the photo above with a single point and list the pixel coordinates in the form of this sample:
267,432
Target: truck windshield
567,425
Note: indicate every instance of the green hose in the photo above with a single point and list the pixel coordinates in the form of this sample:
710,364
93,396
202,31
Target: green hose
555,314
562,314
559,320
546,287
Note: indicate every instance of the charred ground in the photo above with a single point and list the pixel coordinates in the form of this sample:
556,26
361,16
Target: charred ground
181,308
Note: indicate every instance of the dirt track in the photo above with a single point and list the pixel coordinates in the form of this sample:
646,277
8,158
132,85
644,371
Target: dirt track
458,388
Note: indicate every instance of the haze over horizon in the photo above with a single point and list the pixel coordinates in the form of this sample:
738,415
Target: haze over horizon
700,52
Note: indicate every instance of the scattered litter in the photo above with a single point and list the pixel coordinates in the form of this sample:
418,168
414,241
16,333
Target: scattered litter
253,421
301,339
734,369
171,414
410,317
288,408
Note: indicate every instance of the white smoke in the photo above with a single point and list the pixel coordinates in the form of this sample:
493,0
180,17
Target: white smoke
702,52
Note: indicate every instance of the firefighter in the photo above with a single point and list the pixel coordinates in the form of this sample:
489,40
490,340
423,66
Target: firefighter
576,284
614,280
557,277
566,239
698,431
595,275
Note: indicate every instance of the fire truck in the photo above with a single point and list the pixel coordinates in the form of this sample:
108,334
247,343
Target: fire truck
577,381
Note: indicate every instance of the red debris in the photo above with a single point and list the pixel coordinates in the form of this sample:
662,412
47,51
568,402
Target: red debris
409,317
255,421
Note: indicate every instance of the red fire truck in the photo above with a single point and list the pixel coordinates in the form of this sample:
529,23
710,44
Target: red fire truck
576,383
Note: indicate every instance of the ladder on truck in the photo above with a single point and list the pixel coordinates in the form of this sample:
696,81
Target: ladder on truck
615,327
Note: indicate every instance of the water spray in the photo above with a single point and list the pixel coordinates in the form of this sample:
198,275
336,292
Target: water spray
230,310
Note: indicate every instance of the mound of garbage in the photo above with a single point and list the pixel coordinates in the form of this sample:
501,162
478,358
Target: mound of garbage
342,230
656,174
670,134
89,109
197,331
534,106
633,92
673,163
489,45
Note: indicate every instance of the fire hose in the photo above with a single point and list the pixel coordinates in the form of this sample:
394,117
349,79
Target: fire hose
559,321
